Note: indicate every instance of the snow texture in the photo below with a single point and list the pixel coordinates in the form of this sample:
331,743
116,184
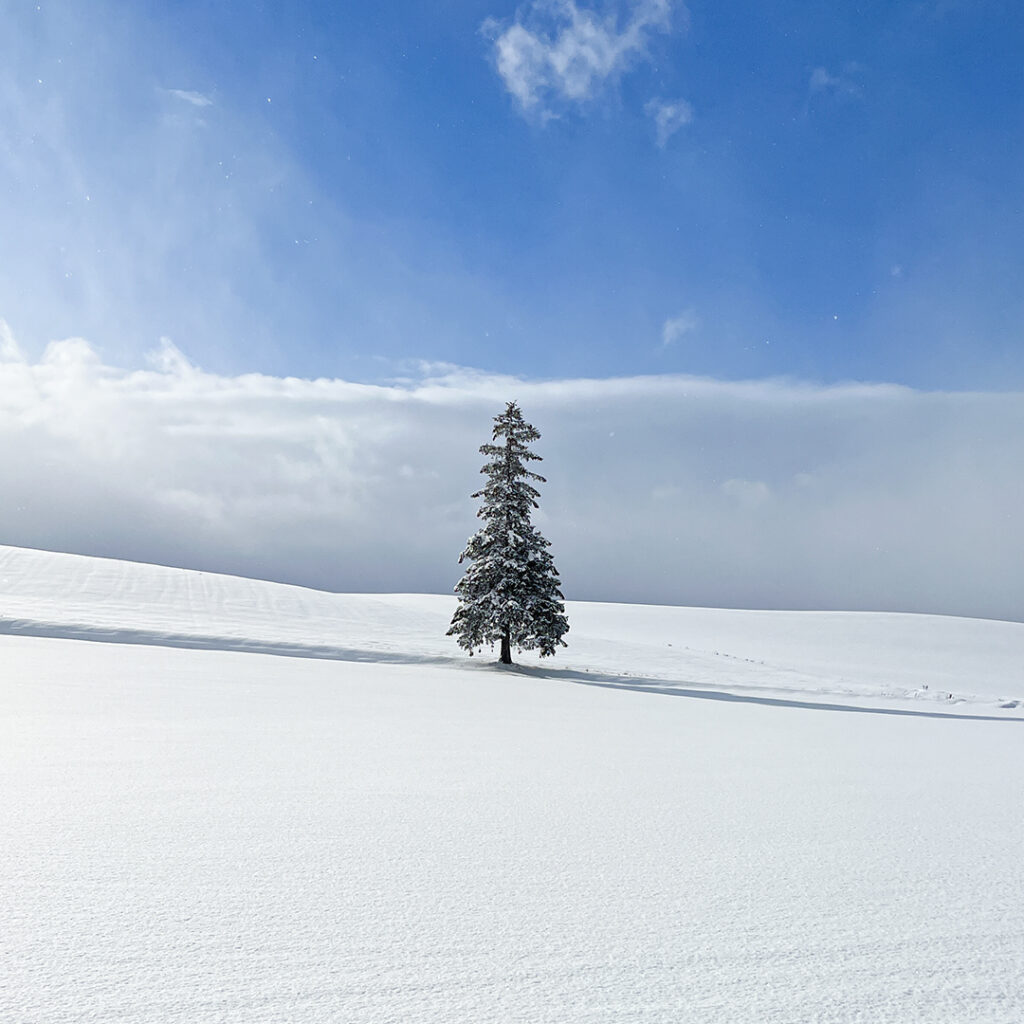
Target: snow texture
769,821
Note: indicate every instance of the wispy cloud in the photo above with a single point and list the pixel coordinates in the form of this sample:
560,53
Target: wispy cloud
840,83
677,326
137,210
939,9
127,212
669,116
762,493
10,351
556,52
197,99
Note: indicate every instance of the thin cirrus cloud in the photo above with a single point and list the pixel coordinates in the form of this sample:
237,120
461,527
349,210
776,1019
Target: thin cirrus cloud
678,326
668,116
666,489
842,83
556,53
140,207
197,99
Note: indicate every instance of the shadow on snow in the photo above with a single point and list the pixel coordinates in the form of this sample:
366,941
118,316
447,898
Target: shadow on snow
327,652
199,642
694,691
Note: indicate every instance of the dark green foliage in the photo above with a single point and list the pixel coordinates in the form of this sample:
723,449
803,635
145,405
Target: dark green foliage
509,593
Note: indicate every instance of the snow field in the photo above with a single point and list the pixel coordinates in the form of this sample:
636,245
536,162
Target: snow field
970,665
201,835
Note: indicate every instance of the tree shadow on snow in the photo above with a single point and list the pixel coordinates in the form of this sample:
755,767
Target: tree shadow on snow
694,691
327,652
230,644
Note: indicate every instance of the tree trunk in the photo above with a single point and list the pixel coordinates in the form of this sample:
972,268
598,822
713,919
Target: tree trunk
506,649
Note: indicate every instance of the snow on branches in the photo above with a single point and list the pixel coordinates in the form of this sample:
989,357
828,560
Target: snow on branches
510,591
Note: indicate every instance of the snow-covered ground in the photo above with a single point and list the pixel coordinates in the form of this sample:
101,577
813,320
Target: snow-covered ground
262,803
972,665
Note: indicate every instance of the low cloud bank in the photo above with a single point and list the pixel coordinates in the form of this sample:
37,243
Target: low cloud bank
667,489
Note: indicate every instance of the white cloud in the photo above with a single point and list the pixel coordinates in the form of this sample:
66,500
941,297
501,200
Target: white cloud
667,488
556,52
677,326
197,99
843,83
669,116
821,80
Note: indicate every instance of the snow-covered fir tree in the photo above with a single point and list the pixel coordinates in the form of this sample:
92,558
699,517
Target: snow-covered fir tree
509,593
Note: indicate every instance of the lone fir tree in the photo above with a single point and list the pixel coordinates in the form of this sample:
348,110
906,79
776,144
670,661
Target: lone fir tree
509,592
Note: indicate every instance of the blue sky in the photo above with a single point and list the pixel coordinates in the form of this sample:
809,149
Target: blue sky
826,191
270,269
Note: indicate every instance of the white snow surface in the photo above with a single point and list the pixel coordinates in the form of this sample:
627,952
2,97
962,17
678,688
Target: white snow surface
228,800
972,663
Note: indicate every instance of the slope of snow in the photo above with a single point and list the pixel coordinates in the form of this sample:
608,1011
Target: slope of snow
839,654
379,831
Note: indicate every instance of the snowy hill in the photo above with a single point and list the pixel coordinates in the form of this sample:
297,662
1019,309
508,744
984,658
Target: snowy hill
953,661
226,800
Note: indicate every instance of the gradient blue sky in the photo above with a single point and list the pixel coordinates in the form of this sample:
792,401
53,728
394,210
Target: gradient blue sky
822,190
